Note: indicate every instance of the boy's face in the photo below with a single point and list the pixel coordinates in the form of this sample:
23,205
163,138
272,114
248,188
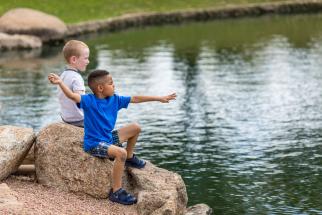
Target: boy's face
80,63
107,86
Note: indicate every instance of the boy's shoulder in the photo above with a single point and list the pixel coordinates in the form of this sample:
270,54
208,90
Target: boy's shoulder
90,97
71,73
72,78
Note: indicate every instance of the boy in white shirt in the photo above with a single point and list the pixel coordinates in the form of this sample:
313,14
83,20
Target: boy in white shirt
76,54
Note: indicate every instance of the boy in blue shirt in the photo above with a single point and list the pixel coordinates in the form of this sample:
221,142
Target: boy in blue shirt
100,114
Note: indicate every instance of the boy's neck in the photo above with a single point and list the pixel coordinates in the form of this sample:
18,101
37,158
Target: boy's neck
70,67
100,96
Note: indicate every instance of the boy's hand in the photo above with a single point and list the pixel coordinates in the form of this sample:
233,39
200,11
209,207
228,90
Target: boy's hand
54,79
162,99
166,99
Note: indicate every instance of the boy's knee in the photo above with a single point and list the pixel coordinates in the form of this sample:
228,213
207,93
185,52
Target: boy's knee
137,127
121,154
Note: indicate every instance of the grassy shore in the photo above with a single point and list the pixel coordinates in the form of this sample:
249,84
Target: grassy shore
71,11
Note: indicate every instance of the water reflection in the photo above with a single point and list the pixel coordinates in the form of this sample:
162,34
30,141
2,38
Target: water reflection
245,131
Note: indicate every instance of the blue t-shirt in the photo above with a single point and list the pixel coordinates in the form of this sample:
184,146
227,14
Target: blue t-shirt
100,117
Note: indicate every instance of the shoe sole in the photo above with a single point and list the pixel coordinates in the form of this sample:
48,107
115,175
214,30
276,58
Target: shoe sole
123,203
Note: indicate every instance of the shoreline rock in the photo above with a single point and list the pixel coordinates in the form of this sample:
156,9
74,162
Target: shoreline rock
33,22
19,41
26,170
15,143
41,200
62,166
159,191
62,163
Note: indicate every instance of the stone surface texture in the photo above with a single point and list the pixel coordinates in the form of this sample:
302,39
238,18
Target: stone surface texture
61,162
15,143
9,203
33,22
17,41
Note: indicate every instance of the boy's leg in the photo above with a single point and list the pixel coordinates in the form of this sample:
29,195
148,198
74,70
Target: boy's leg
120,157
129,133
117,193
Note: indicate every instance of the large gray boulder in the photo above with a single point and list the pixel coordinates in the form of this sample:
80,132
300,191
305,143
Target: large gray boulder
61,162
33,22
159,191
15,143
16,41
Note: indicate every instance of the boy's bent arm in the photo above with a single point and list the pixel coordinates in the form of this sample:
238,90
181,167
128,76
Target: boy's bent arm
162,99
80,92
55,79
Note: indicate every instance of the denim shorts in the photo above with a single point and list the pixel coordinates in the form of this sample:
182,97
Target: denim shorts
101,150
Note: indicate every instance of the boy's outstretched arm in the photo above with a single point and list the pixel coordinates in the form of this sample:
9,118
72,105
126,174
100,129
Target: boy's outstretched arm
55,79
162,99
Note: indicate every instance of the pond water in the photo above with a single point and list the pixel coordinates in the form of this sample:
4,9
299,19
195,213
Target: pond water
245,132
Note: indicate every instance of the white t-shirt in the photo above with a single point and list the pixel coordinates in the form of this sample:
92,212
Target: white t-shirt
68,108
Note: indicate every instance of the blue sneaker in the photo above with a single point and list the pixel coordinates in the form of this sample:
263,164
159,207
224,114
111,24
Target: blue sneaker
122,197
135,162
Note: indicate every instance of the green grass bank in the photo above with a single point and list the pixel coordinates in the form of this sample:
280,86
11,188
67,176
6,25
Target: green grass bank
86,10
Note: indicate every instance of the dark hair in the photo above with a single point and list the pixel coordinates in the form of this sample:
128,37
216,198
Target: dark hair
95,78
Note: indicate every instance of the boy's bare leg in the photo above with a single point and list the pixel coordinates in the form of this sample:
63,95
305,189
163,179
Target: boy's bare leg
118,168
129,133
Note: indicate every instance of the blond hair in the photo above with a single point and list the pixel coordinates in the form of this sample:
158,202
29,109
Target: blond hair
73,48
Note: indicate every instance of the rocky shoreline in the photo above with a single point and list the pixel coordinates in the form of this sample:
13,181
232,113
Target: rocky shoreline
36,199
152,19
25,196
55,31
58,177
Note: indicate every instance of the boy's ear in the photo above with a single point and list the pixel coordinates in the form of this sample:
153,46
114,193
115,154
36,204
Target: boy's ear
72,59
99,87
